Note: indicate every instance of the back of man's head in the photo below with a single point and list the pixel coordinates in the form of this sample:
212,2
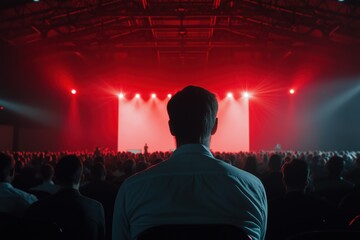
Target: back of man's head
98,171
68,171
275,162
129,166
192,112
335,166
47,172
295,174
6,167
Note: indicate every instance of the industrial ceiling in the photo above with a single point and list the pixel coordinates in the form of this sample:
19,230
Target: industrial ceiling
179,31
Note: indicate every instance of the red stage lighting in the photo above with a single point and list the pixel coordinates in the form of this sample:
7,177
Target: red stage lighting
137,95
121,95
169,95
230,95
1,108
73,91
292,91
153,95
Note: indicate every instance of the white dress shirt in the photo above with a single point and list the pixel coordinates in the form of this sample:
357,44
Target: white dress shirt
192,187
13,200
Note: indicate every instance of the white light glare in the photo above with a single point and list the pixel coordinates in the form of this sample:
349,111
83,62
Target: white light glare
230,95
137,95
153,95
246,95
121,95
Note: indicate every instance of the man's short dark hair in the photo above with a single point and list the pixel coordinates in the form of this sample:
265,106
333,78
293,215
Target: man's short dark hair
192,112
295,173
47,172
98,171
68,170
335,166
275,162
6,166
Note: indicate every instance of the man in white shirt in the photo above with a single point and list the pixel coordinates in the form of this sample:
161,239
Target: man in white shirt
192,187
12,200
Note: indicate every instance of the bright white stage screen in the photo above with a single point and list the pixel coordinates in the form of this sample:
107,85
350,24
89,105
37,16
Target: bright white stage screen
141,122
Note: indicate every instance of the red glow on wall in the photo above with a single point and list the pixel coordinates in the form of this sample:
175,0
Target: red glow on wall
72,133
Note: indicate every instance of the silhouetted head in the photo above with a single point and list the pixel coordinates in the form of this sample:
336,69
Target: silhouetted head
98,171
295,174
251,165
192,115
68,171
6,168
129,166
357,161
47,172
335,166
275,162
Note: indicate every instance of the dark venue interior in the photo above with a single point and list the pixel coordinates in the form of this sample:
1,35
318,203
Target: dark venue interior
104,47
79,75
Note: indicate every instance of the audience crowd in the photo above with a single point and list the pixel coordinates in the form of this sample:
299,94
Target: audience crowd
305,191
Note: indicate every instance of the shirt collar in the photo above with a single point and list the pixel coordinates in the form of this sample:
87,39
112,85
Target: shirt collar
192,149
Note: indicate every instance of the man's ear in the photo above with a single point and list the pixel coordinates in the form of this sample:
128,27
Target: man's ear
214,129
172,131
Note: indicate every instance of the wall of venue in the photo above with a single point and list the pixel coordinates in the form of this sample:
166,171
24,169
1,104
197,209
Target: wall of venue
323,113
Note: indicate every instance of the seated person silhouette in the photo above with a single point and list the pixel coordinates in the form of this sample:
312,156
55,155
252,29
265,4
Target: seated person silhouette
13,201
353,174
297,212
272,179
191,187
47,187
334,187
100,190
79,217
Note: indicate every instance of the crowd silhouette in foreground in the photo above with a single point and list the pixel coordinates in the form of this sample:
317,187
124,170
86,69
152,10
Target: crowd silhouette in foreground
120,195
305,191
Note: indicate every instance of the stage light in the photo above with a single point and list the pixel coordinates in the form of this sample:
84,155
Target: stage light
341,0
1,108
292,91
73,91
153,95
169,95
230,95
137,95
246,95
121,95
